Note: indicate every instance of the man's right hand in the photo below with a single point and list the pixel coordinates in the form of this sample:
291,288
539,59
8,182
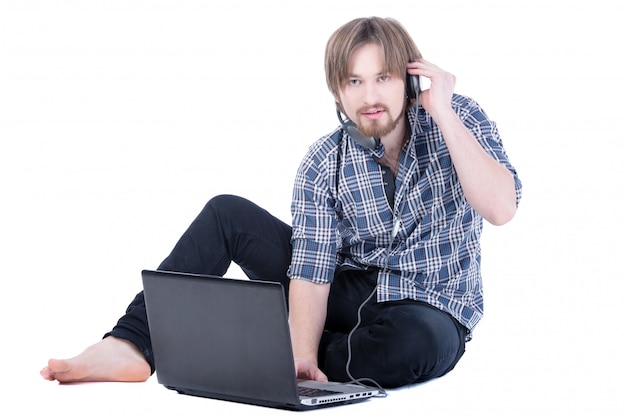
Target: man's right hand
307,370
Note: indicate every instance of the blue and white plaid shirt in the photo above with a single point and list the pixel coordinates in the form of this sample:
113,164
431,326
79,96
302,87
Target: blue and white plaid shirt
341,216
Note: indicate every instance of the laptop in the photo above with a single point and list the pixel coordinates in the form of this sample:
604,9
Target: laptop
229,339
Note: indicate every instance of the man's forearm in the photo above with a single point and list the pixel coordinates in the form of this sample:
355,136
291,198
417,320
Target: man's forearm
307,315
488,186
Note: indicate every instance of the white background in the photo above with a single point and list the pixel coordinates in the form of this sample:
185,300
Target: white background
120,119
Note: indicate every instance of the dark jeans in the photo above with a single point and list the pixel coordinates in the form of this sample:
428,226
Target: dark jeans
397,343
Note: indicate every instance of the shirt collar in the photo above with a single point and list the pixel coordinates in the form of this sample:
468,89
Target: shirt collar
419,120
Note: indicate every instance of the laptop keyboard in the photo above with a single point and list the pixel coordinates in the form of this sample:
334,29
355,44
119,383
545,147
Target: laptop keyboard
313,392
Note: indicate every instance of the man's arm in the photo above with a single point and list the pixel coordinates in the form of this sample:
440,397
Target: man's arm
307,315
488,186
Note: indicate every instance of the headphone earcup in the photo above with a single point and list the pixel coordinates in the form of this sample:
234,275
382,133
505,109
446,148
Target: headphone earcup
412,86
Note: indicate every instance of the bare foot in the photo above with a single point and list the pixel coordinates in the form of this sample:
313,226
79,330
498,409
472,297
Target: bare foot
109,360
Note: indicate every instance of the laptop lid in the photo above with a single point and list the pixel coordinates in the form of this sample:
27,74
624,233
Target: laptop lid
228,339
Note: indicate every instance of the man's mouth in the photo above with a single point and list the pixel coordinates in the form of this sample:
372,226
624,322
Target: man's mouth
373,114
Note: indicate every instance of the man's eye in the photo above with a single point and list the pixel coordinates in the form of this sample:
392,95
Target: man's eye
354,82
384,78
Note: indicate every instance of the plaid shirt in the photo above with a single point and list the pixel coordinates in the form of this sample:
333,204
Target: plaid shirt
342,218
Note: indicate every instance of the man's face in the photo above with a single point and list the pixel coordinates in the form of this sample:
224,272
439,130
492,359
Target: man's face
373,100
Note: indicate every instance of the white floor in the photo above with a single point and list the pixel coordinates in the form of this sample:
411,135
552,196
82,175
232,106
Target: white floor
119,119
496,378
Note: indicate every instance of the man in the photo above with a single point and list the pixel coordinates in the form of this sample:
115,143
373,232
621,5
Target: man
382,261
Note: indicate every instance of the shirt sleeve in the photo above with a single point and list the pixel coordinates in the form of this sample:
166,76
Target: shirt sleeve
314,222
486,133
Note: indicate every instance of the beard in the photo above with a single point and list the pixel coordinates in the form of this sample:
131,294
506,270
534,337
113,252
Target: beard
378,128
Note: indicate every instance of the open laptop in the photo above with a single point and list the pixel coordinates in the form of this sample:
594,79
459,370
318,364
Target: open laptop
229,339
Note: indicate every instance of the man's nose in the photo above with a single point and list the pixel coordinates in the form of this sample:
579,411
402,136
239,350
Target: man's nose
371,94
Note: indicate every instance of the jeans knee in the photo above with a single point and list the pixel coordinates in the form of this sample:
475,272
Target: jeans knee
223,203
419,344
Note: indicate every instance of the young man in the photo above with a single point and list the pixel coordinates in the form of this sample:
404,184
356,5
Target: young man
387,217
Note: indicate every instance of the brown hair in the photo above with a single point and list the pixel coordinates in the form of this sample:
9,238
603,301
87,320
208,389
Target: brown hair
396,45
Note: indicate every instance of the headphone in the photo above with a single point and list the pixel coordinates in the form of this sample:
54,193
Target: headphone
412,92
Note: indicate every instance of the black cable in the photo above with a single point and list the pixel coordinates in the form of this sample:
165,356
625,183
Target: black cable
360,381
394,233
